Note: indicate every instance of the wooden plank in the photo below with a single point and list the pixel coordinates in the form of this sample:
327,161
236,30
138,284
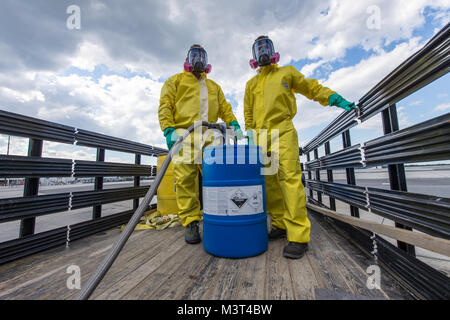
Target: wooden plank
202,285
135,253
278,278
225,285
42,260
326,272
252,279
175,286
355,277
27,280
147,249
127,283
148,286
54,285
304,280
438,245
389,286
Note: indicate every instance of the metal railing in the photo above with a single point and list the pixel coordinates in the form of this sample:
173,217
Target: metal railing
34,166
426,141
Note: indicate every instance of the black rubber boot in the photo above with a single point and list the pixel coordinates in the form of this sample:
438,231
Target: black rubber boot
192,236
295,250
276,233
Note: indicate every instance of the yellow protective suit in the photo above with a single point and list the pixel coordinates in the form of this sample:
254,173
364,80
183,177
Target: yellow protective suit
179,108
270,103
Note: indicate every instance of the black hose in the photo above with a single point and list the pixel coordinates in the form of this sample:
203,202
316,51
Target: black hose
103,268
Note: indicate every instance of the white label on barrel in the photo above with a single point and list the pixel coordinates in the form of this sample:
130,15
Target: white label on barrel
233,201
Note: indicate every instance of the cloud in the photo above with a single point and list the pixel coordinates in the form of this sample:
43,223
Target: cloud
23,96
442,107
352,83
416,103
50,72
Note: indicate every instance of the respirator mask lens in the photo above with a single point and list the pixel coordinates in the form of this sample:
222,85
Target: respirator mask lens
198,58
263,51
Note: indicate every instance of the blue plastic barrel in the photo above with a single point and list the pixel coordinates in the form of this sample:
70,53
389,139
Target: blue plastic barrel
234,203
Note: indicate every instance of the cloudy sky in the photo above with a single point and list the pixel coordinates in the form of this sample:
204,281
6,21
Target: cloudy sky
107,75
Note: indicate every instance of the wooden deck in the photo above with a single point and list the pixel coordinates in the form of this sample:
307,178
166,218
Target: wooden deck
160,265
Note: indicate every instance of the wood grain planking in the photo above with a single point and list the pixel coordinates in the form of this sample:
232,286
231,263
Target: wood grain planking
55,267
225,284
127,283
304,280
26,268
354,276
252,279
156,279
278,279
135,252
177,284
202,285
327,274
55,287
389,286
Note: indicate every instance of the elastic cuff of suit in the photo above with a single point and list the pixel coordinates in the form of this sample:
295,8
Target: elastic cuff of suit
168,130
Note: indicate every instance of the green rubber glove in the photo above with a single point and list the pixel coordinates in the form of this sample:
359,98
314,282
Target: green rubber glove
237,129
251,142
337,101
171,136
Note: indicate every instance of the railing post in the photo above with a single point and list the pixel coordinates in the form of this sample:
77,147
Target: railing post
330,176
397,175
97,210
31,188
137,180
319,194
308,159
350,172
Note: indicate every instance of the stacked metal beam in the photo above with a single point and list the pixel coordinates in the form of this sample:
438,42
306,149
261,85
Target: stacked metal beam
24,167
426,141
26,207
426,213
346,158
92,198
35,167
97,140
28,127
108,169
23,126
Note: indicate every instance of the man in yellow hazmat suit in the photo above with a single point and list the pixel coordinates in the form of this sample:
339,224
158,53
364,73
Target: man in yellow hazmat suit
185,98
270,104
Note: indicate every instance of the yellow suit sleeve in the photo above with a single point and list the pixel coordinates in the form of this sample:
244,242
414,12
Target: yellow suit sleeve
167,105
310,88
248,109
225,110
